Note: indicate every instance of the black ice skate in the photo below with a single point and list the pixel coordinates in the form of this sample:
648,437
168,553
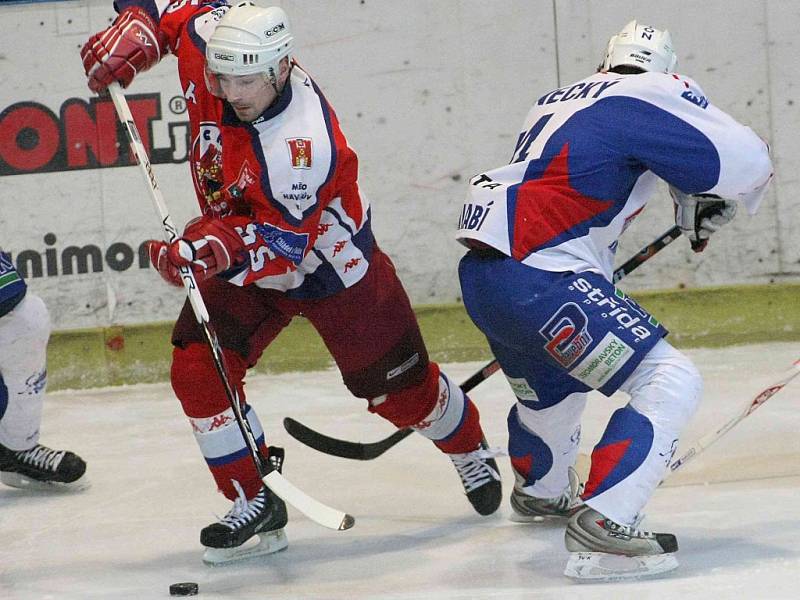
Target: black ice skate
263,515
41,468
480,477
604,550
530,509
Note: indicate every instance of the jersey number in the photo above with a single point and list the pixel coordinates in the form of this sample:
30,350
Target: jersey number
526,139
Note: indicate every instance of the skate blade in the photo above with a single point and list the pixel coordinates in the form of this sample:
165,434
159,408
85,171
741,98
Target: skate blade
16,480
518,518
268,543
600,566
554,519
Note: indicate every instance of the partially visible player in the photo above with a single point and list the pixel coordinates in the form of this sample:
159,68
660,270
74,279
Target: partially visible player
24,332
285,231
542,233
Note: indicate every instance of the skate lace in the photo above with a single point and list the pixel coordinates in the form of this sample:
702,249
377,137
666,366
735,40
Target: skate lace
243,510
572,495
473,468
41,457
564,501
628,530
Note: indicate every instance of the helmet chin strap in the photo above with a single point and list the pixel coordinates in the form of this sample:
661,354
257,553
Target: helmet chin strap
273,80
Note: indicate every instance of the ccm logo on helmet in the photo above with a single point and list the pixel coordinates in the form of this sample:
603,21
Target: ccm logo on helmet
220,56
277,29
648,32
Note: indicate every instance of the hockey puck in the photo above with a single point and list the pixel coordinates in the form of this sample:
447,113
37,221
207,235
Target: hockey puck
188,588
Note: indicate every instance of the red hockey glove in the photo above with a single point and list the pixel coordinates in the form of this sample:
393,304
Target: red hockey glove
159,258
132,44
208,244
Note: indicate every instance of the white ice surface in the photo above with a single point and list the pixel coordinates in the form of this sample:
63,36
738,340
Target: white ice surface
735,509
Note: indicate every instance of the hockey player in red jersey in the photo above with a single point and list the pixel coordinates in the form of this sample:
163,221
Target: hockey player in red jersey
542,233
284,231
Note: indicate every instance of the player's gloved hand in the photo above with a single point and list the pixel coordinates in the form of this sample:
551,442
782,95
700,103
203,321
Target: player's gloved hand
700,216
131,44
209,245
159,258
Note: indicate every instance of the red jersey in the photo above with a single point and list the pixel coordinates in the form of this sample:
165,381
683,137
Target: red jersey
288,179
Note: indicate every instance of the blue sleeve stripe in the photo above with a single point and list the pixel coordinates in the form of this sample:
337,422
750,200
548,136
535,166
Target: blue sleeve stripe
640,135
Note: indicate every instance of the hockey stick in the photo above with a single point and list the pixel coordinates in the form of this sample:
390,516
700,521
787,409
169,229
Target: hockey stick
712,436
358,451
313,509
584,460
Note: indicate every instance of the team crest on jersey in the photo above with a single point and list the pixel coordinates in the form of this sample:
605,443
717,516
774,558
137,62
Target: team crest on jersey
567,334
223,201
207,163
246,177
300,152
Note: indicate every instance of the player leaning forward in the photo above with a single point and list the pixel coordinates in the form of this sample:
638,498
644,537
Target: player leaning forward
542,232
285,231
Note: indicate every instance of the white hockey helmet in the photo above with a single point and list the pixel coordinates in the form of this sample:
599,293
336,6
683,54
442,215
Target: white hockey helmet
641,46
248,40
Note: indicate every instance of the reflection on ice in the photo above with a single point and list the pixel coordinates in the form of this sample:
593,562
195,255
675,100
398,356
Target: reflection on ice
136,530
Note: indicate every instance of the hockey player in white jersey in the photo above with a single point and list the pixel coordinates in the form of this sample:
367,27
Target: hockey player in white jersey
542,233
24,332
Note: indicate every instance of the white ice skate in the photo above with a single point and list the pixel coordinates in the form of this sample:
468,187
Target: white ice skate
602,550
530,509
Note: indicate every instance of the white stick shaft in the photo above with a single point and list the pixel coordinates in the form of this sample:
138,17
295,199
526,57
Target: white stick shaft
712,436
143,161
312,508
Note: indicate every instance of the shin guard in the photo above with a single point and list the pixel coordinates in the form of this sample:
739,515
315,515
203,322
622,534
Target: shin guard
202,395
24,333
437,409
631,459
543,444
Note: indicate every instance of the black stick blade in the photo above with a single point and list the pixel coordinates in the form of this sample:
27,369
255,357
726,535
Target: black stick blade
342,448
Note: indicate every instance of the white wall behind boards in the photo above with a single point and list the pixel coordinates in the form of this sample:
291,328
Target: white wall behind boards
429,93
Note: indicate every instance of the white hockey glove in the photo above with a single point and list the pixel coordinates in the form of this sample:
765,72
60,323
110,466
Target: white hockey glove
700,216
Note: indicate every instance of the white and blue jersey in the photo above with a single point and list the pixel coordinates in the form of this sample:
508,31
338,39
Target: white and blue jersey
537,281
584,165
588,158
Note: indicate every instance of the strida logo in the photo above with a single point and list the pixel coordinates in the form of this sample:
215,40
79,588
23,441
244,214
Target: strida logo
83,135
